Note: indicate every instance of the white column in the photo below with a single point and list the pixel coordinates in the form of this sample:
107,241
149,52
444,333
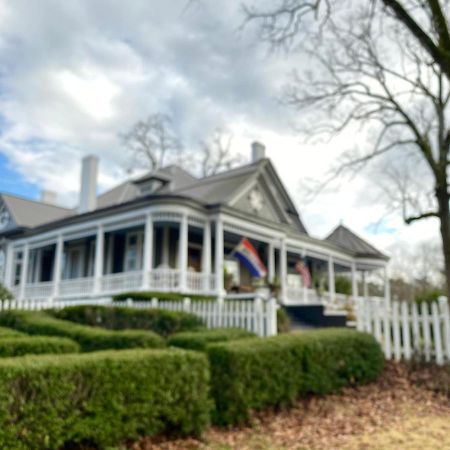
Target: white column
283,270
219,257
365,286
305,288
183,252
354,282
24,271
271,262
331,285
165,246
147,263
58,263
98,267
9,254
387,285
206,256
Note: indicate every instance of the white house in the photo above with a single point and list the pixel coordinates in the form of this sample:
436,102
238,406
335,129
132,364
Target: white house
170,231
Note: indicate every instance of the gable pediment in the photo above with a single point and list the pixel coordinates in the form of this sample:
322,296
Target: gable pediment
7,221
258,199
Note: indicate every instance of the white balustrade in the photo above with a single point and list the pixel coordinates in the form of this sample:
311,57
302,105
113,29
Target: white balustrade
76,287
164,279
121,282
39,290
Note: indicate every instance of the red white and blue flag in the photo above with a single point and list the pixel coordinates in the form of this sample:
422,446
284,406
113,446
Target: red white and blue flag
302,269
247,254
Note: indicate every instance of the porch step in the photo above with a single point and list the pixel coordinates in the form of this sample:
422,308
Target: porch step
315,315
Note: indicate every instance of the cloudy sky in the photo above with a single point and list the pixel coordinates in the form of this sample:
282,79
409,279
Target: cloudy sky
76,74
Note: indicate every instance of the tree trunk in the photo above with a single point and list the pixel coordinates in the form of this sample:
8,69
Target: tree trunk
444,217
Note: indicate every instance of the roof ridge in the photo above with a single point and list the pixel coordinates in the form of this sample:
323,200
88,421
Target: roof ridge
19,197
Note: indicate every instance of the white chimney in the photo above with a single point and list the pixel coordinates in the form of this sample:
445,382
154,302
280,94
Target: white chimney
88,191
258,151
49,197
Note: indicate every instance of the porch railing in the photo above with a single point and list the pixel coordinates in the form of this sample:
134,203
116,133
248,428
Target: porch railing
78,286
118,282
39,290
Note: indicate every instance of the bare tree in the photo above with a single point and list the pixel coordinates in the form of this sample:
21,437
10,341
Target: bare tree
367,71
153,142
216,153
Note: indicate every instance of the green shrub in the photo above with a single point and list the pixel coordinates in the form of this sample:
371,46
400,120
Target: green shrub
5,294
160,321
89,338
9,333
148,295
252,374
99,399
198,340
35,345
430,296
283,321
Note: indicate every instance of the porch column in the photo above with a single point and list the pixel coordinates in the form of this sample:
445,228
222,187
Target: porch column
24,271
98,267
147,263
354,282
183,252
283,270
9,255
271,262
365,286
206,256
219,257
58,263
387,285
331,285
305,288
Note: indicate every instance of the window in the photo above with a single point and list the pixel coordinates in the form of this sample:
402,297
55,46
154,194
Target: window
232,268
18,257
133,249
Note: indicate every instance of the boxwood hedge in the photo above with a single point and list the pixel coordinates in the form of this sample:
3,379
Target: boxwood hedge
99,399
252,374
89,338
149,295
198,340
160,321
9,332
34,345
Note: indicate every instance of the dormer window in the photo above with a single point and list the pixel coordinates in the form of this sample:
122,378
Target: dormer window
150,187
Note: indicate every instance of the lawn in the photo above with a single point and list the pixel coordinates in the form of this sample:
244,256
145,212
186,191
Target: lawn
400,411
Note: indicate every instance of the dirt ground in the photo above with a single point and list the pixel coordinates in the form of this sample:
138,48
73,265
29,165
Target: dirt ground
403,410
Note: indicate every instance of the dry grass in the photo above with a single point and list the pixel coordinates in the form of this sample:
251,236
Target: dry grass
400,411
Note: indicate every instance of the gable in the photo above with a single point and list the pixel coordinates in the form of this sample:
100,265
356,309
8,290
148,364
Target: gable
257,201
7,221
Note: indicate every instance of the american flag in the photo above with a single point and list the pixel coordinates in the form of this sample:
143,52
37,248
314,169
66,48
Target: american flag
303,270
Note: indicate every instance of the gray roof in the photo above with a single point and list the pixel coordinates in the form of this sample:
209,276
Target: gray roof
348,240
30,213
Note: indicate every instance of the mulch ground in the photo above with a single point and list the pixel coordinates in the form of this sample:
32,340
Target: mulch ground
392,409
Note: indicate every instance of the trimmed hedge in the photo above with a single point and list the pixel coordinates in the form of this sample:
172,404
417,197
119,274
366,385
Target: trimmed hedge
198,340
148,295
35,345
99,399
10,333
89,338
160,321
252,374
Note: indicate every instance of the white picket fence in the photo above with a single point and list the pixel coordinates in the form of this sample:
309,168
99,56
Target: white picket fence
407,330
256,315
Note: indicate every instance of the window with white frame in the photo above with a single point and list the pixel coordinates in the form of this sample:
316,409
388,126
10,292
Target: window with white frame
18,259
133,251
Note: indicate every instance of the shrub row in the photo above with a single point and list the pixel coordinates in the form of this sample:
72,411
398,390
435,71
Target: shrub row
160,321
89,338
9,333
99,399
252,374
35,345
148,295
198,340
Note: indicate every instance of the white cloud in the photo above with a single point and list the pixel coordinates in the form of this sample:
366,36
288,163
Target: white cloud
76,74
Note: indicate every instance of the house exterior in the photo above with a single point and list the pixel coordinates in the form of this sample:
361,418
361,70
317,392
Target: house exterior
170,231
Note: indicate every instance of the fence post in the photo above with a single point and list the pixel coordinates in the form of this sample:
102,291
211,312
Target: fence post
220,319
406,333
186,304
154,302
387,328
437,334
443,305
271,317
360,310
396,331
258,311
129,302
